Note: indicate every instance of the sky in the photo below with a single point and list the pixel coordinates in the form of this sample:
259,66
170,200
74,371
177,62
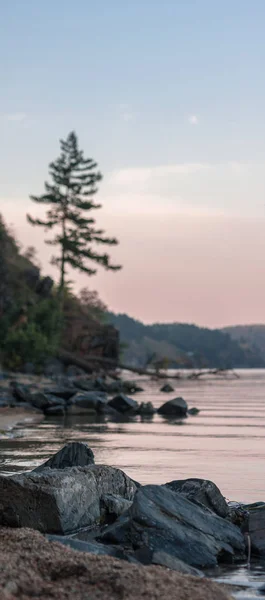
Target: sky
168,97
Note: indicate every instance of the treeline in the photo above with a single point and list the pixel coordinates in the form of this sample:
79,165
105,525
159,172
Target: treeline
182,345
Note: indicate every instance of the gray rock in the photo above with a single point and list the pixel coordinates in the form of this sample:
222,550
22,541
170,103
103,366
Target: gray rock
167,388
131,387
44,401
203,492
21,392
87,402
74,454
53,368
84,383
55,411
112,507
146,556
166,522
90,547
146,408
123,404
60,501
174,408
61,392
73,371
256,527
193,411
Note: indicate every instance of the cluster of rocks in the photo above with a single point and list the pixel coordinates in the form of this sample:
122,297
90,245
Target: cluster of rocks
185,525
83,395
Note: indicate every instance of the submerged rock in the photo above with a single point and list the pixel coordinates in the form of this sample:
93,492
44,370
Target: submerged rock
174,408
167,388
203,492
163,521
123,404
87,402
60,501
146,408
74,454
193,411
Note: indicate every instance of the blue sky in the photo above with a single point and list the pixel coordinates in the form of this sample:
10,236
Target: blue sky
167,96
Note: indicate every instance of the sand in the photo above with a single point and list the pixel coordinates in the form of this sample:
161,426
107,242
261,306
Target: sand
32,567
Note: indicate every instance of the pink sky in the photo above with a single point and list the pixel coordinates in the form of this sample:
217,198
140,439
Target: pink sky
199,268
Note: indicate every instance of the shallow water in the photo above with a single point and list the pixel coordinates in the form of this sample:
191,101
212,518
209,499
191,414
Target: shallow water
225,442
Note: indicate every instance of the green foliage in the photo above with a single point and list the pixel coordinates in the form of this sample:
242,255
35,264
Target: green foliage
26,344
70,198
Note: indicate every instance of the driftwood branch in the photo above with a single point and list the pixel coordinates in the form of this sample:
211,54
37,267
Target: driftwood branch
87,365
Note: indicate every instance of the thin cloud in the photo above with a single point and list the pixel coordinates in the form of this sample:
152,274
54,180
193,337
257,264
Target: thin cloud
193,120
16,117
144,174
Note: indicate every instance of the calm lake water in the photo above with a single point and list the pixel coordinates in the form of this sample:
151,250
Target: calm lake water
225,442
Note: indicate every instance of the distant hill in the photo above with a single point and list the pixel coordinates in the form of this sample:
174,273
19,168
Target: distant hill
183,345
248,336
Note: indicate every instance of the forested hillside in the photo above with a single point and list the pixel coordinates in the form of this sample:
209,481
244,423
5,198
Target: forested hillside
182,345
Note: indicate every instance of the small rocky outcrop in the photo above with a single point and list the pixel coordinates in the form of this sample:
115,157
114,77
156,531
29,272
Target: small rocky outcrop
87,402
74,454
60,501
167,388
201,491
124,404
164,521
174,408
146,408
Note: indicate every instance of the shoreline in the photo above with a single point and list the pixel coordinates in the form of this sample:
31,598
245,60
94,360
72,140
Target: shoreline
10,417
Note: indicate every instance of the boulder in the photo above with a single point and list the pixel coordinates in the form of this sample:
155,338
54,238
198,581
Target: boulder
146,556
201,491
123,404
146,408
85,383
58,410
44,401
255,526
164,521
74,454
91,547
87,402
61,392
113,506
53,368
174,408
60,501
74,371
21,392
167,388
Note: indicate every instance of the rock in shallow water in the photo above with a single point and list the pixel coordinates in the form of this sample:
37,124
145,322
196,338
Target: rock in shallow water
123,404
167,388
203,492
74,454
164,521
174,408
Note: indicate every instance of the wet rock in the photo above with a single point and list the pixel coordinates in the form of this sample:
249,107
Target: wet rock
203,492
147,556
55,411
131,387
74,454
111,507
85,383
90,547
123,404
87,402
256,527
164,521
146,408
73,371
62,392
193,411
174,408
60,501
45,401
21,392
167,388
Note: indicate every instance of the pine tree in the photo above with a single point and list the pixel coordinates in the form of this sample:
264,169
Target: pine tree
70,198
